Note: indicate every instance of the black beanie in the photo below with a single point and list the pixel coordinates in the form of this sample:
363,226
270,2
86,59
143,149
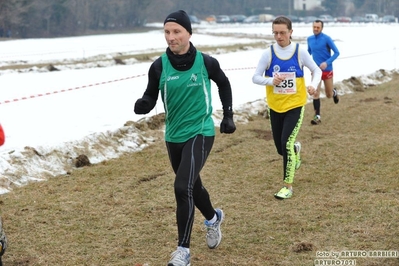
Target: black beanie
180,17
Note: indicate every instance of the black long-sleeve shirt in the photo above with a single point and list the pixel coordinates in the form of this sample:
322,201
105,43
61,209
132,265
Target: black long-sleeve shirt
183,63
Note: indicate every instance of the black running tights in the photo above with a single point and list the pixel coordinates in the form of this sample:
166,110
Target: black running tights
187,160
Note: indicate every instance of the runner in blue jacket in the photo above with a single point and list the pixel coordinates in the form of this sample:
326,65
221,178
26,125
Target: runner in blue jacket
320,46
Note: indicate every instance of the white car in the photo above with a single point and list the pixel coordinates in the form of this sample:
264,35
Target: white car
372,18
222,19
252,19
326,18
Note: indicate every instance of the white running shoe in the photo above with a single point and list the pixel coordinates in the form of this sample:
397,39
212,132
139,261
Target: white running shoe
180,257
213,234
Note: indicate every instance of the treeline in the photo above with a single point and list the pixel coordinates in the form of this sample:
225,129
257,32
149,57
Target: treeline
58,18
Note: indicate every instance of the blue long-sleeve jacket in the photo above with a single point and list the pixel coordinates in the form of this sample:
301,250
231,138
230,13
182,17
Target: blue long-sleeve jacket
320,46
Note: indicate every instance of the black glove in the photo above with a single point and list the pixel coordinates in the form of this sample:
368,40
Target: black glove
143,105
227,125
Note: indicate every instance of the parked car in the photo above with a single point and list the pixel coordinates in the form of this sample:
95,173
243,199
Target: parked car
326,18
252,19
388,19
211,18
309,19
372,18
237,18
343,19
293,18
222,19
358,19
194,19
266,17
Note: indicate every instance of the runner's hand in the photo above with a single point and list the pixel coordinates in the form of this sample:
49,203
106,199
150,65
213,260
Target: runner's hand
144,105
227,125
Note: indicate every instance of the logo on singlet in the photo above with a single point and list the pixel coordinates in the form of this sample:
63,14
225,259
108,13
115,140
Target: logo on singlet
172,78
193,77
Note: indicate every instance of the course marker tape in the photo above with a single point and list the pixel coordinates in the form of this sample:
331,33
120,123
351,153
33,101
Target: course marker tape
69,89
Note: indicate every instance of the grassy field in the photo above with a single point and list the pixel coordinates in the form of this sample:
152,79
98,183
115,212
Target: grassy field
122,211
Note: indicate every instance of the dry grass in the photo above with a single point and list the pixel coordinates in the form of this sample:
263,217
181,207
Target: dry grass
121,212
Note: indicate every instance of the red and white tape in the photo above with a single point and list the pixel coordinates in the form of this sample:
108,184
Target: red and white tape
91,85
66,90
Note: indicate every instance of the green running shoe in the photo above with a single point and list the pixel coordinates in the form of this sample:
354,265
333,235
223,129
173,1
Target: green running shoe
284,193
316,120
